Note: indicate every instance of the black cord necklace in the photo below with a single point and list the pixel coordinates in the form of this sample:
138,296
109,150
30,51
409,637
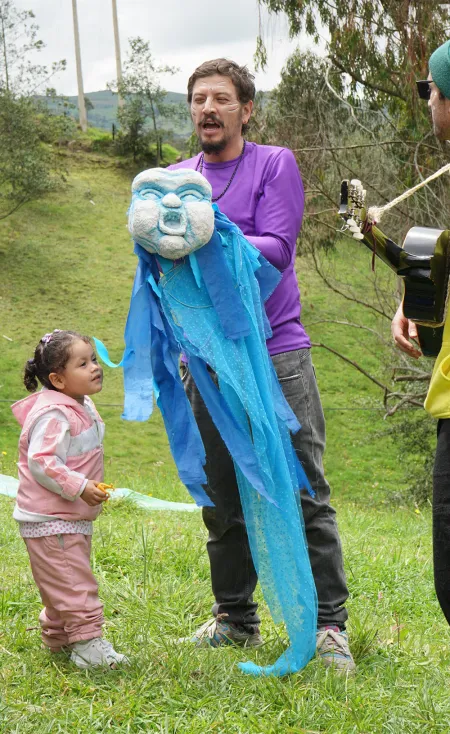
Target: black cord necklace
200,170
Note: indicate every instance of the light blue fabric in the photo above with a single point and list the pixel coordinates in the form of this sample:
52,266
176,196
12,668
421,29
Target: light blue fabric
214,313
10,485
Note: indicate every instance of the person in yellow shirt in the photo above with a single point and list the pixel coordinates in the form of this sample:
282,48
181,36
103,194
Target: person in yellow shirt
437,90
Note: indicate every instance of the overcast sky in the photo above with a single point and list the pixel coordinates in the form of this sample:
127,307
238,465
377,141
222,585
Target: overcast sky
182,33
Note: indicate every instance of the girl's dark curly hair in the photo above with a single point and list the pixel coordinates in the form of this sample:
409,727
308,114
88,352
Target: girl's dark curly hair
51,355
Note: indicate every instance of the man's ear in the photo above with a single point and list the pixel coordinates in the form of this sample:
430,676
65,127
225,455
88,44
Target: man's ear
57,380
247,111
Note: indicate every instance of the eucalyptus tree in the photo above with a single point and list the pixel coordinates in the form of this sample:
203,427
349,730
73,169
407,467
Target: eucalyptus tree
353,112
382,45
117,47
81,104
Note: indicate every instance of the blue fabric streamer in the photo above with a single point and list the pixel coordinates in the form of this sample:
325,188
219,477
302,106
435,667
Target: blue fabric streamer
211,308
220,288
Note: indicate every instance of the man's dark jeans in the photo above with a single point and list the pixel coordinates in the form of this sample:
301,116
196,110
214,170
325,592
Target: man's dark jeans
232,571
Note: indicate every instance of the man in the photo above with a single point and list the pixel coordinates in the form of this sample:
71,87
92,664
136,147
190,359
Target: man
437,91
259,188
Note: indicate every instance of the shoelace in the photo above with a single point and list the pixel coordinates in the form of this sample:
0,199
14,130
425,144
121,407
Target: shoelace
208,629
338,640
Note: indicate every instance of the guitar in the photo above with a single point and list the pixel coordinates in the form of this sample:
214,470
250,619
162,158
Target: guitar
423,263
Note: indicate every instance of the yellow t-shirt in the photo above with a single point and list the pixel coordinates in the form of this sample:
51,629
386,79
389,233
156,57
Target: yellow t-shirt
437,402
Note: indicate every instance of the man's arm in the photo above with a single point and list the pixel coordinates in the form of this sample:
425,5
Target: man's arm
279,212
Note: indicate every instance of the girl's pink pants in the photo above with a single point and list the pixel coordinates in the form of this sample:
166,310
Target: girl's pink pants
62,571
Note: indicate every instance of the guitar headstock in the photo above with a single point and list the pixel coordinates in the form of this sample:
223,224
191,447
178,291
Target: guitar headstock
352,206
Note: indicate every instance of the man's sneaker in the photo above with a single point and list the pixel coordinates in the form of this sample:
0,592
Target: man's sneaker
96,653
216,633
332,648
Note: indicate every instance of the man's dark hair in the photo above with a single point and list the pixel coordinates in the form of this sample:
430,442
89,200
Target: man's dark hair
239,75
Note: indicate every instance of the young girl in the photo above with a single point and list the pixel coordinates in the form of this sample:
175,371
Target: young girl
60,465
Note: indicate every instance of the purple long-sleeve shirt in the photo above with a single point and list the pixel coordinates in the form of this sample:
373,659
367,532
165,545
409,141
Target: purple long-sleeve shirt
266,200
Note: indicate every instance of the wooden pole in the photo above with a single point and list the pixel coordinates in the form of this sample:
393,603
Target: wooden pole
81,104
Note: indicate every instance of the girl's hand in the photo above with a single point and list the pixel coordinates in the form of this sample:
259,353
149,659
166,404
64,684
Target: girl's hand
92,495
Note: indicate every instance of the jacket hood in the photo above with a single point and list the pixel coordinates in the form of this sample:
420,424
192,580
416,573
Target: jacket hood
43,399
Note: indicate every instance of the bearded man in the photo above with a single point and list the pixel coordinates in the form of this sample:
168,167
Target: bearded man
436,89
260,189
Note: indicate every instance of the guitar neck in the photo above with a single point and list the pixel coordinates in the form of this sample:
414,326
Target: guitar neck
390,253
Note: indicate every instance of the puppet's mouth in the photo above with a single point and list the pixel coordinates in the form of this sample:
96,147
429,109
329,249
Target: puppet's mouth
173,222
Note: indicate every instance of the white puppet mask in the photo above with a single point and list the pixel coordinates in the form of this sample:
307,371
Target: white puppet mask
171,213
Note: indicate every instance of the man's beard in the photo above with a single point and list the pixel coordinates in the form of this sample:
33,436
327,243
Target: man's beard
213,148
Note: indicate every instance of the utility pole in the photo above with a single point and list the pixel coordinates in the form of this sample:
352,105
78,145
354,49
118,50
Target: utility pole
81,104
117,47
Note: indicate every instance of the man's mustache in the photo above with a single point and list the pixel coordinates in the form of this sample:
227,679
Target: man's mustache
211,118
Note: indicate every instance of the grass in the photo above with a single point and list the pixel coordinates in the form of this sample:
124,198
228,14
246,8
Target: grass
67,263
153,579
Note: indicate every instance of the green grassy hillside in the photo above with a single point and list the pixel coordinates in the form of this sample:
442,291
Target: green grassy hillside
67,262
104,112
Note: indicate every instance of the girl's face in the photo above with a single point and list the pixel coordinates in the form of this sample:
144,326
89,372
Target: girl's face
82,374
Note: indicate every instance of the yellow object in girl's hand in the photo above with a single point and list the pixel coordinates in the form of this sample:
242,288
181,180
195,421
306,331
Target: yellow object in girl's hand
105,487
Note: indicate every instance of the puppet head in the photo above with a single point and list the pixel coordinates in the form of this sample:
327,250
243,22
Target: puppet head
171,212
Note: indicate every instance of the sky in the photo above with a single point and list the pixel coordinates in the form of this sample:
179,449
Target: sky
182,33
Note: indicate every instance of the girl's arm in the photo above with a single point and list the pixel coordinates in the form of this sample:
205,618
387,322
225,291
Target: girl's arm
47,455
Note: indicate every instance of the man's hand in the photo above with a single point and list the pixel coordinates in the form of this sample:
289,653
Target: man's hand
92,495
402,331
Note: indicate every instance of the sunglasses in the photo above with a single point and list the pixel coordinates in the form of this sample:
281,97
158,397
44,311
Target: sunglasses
424,89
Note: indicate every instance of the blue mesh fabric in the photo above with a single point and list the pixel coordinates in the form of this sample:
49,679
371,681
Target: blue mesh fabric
211,308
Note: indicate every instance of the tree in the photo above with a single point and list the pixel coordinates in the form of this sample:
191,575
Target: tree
336,136
144,106
81,103
383,45
117,47
19,38
28,166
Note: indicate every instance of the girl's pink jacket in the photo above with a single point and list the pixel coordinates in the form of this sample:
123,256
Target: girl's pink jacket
66,451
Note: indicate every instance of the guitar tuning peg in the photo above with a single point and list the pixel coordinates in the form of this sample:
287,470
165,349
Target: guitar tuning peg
355,230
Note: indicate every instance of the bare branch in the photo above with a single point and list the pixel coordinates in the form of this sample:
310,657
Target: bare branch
413,378
345,295
354,364
14,209
355,147
349,323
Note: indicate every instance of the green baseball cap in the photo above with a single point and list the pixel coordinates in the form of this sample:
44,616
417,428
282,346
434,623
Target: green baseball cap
439,66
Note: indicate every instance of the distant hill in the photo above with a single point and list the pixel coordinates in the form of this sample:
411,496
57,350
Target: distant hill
104,110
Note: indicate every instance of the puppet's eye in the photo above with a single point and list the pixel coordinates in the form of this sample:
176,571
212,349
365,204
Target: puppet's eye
150,194
189,195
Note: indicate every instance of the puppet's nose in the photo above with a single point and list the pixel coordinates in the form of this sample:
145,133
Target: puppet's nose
171,201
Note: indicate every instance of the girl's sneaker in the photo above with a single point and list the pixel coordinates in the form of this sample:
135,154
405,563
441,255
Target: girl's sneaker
96,653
